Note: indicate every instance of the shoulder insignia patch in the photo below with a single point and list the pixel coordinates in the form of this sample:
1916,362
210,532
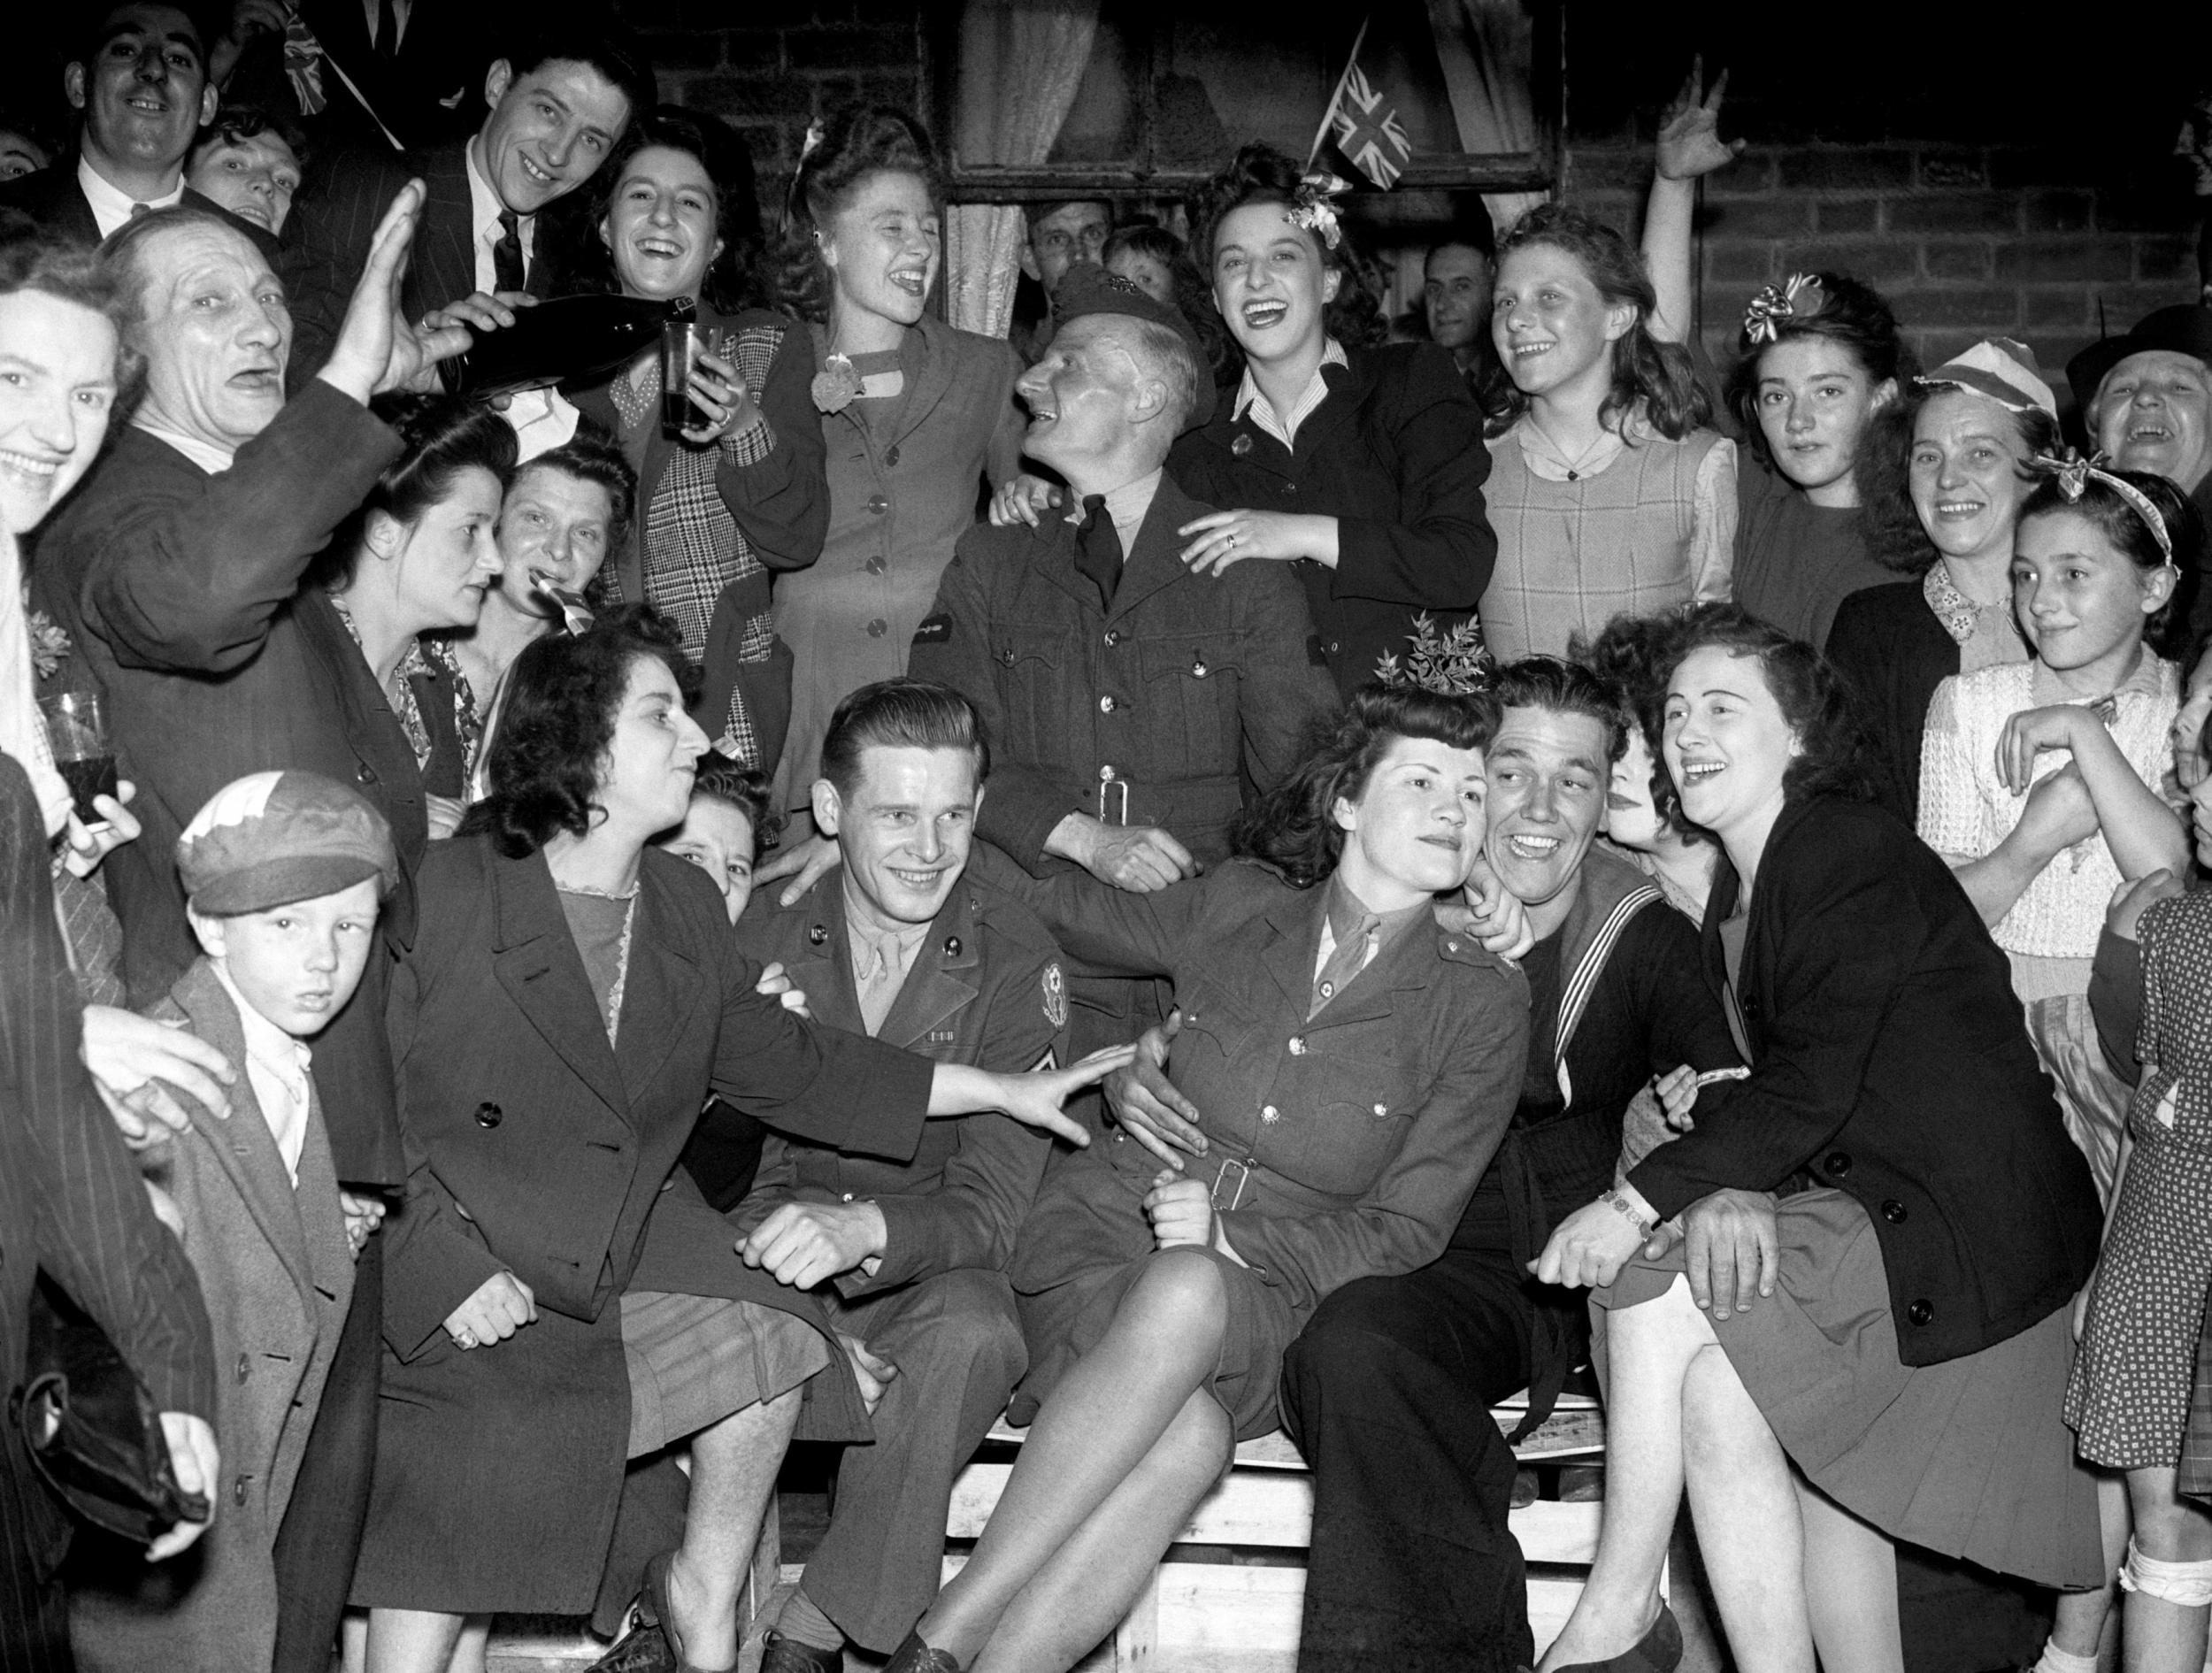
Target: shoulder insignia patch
1046,1063
1055,988
935,630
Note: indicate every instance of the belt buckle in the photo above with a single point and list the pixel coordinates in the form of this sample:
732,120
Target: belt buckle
1122,817
1244,1173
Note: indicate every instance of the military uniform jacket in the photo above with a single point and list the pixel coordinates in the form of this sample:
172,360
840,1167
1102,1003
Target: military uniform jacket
1349,1143
985,988
1158,700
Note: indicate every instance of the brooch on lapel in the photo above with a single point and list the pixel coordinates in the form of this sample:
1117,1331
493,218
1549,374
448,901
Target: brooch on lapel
835,384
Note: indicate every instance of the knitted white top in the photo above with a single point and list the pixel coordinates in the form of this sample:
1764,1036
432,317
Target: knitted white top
1966,810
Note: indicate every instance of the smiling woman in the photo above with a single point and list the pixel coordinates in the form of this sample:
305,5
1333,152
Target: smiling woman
915,417
1355,1066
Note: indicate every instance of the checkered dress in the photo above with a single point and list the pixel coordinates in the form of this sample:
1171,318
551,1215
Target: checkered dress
692,547
2141,1384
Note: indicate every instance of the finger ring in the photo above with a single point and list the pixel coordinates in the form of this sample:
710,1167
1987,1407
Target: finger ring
466,1338
1234,537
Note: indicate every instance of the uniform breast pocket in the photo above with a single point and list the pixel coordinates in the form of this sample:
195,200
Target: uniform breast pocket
1190,691
1360,1111
1034,662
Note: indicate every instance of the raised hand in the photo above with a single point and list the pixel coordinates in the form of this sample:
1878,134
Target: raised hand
377,351
1025,499
1690,144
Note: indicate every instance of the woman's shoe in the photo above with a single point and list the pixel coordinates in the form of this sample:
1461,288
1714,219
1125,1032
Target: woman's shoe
653,1609
1658,1651
914,1656
780,1655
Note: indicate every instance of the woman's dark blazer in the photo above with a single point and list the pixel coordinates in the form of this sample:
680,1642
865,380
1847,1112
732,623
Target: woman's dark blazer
1893,653
537,1148
1891,1062
1395,454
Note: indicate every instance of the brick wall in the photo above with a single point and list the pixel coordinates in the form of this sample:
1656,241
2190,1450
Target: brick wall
1968,240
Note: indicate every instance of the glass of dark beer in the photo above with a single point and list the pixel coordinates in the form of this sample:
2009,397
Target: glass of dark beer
77,731
680,350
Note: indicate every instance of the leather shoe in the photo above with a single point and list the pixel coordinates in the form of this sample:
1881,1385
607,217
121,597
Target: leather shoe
914,1656
1658,1651
788,1655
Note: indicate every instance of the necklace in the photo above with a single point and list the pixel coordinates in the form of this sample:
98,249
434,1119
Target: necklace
1574,465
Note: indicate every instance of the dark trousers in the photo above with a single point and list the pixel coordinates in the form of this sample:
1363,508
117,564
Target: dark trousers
320,1536
1388,1394
33,1609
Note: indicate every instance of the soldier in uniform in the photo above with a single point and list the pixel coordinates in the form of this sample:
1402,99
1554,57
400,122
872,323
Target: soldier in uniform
897,942
1130,701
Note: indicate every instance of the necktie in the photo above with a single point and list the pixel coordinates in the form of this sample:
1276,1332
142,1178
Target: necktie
387,29
1098,553
1344,961
507,253
141,209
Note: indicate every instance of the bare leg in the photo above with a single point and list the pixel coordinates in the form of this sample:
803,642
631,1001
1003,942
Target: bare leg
1101,1423
1850,1570
411,1640
733,1466
470,1653
2159,1636
1746,1514
1081,1595
353,1641
2086,1624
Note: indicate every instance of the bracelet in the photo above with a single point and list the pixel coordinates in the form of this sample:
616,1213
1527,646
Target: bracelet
1619,1200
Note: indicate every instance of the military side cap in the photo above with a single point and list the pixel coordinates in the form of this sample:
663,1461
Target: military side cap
269,839
1090,289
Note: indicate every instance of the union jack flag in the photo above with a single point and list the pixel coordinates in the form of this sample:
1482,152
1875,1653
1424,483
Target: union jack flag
1368,131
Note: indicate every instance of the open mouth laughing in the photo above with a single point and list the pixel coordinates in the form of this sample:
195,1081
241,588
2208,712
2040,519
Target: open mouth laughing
1263,313
913,280
34,472
1531,846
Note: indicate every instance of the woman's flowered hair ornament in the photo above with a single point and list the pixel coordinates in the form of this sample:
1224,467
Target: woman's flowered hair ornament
1772,306
1310,210
2073,474
1456,663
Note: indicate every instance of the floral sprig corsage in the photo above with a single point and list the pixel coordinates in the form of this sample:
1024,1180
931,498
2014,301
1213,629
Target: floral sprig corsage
50,644
1453,663
835,384
1310,210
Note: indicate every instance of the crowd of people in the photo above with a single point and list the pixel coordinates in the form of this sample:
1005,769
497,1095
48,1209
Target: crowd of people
1561,861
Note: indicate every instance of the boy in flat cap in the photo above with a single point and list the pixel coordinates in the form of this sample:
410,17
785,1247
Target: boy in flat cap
284,874
1127,700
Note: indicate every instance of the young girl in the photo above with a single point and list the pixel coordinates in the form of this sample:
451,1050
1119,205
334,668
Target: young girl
1609,491
2037,780
1355,1065
1157,262
1820,355
1643,816
2130,1397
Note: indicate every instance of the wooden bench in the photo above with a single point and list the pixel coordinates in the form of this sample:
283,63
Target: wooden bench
1239,1612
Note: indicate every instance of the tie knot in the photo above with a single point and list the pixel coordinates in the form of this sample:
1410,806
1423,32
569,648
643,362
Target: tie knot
510,223
1093,507
141,209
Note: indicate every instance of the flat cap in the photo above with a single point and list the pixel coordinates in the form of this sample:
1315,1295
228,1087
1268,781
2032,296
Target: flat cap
2186,328
269,839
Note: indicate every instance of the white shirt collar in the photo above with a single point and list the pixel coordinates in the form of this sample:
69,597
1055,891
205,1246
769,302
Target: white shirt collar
1285,430
210,458
485,209
111,204
278,1068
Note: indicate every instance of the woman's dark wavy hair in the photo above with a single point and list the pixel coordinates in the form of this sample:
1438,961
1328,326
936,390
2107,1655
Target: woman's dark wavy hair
1659,376
1812,697
1894,530
1293,828
743,788
733,280
1633,657
2120,523
442,437
563,699
1262,174
857,141
1852,315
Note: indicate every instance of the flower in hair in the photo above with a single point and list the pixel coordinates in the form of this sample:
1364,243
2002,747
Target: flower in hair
1772,305
1310,210
2073,475
1456,665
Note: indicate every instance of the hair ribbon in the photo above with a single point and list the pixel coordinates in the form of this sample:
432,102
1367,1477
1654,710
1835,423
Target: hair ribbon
2073,475
1772,306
